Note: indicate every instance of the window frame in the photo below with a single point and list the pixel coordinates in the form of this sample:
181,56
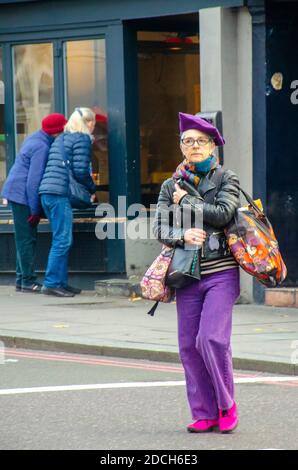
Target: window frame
56,38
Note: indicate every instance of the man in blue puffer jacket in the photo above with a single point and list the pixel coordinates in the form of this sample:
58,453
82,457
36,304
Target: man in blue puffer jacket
75,146
21,190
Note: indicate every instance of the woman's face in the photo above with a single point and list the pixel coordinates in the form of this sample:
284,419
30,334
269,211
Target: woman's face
196,146
91,126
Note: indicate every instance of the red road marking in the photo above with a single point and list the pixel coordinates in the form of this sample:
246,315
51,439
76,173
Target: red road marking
286,384
90,360
79,359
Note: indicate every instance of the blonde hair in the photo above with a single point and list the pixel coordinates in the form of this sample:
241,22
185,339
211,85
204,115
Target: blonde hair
78,119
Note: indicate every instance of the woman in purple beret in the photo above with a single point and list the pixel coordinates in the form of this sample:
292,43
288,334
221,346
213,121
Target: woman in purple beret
204,306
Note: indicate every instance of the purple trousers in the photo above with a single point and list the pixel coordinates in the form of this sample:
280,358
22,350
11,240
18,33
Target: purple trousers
204,334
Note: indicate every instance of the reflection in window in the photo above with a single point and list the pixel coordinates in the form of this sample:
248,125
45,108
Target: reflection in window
2,132
85,69
169,82
33,76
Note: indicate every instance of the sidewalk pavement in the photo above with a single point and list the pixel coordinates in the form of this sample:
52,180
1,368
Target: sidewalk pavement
264,338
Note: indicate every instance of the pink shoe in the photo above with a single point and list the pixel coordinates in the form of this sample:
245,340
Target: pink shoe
203,425
228,419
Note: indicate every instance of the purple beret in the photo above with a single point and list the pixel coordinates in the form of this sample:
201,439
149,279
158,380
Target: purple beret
189,121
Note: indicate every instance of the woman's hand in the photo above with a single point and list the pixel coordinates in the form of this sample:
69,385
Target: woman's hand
195,236
93,197
178,194
33,220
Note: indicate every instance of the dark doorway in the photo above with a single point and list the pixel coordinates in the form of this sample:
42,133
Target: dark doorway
169,82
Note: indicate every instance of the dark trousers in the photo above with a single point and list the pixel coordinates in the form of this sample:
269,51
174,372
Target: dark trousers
25,240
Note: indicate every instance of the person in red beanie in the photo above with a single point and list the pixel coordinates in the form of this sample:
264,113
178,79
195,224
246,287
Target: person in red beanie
53,124
100,150
21,191
100,132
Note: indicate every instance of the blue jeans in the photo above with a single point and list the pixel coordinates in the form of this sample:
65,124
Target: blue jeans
59,212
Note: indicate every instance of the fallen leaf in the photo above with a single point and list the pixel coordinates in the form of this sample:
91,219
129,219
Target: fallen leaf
133,299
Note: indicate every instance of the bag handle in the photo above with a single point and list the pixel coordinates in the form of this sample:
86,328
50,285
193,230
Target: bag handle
251,201
152,310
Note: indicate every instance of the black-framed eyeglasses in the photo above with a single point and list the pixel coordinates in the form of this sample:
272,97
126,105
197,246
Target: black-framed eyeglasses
190,141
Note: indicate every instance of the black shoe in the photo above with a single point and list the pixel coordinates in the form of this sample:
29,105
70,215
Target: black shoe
18,288
74,290
56,291
35,288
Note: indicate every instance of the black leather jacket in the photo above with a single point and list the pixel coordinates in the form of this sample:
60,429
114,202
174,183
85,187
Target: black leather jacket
216,203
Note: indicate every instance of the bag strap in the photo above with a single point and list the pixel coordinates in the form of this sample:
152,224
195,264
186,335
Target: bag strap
251,201
152,310
217,177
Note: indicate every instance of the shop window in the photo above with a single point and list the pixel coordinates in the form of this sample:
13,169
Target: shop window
85,86
2,132
169,82
33,87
